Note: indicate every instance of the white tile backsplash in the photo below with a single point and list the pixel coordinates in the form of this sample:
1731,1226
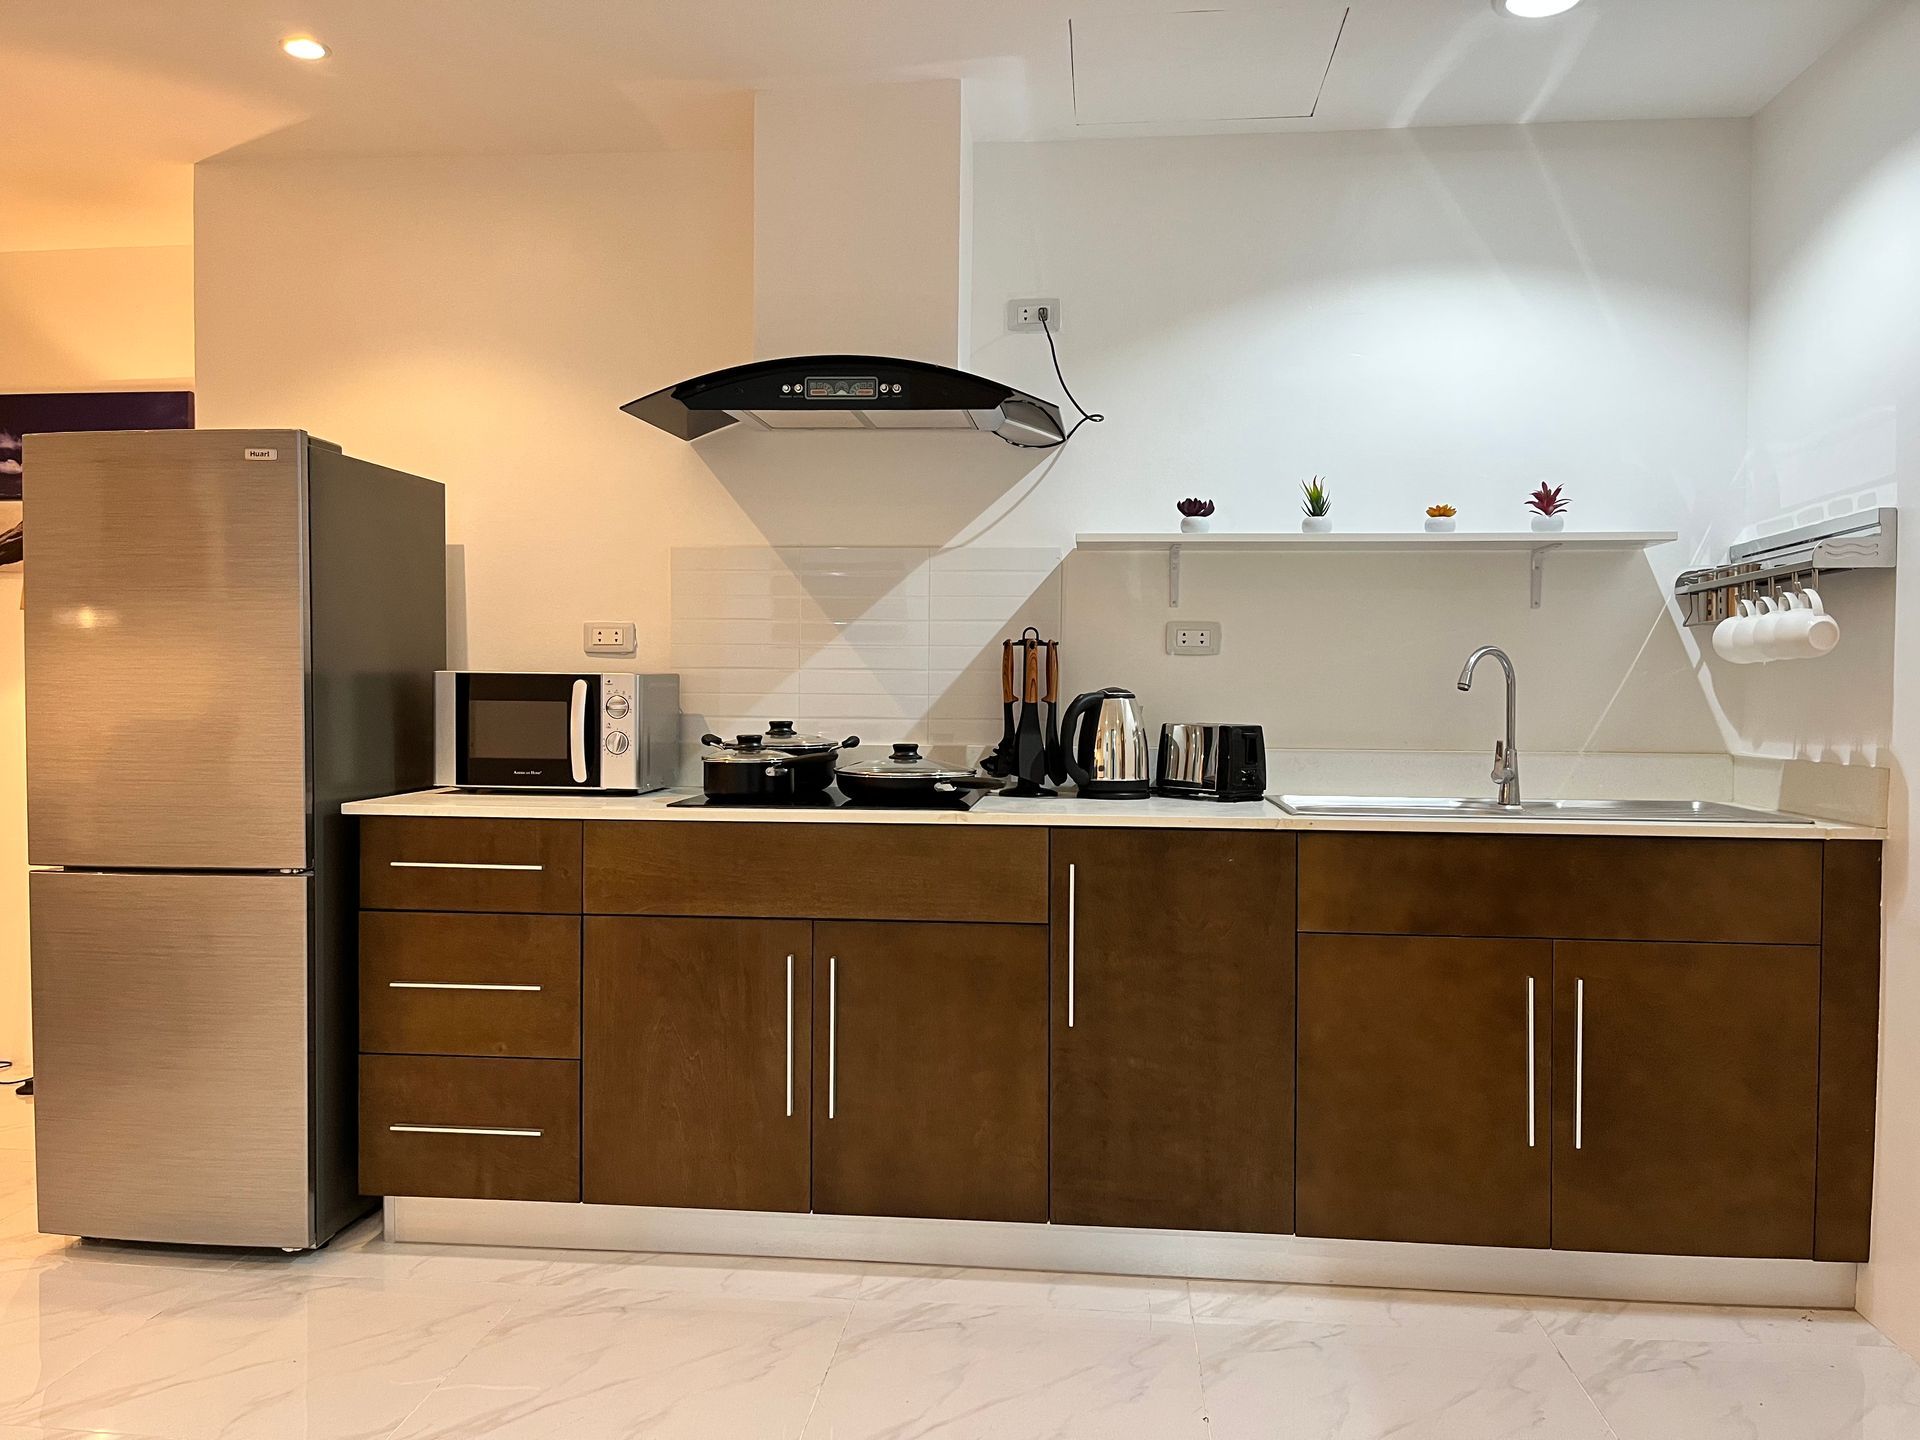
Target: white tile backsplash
887,643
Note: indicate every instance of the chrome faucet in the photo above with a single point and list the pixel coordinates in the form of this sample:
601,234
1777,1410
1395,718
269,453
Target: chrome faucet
1506,756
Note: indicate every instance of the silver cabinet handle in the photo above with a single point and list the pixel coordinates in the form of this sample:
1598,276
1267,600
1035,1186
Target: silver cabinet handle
456,985
833,1033
1579,1063
789,1037
454,865
464,1130
1533,1073
1072,906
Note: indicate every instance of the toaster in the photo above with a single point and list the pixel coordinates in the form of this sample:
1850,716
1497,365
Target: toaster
1212,762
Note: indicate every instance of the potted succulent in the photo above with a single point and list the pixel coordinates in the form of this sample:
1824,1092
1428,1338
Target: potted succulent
1316,506
1193,516
1440,518
1549,507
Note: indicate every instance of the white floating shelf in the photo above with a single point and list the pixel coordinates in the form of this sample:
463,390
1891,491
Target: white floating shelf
1535,543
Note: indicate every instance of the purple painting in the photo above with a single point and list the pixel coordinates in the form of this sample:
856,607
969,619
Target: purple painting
22,415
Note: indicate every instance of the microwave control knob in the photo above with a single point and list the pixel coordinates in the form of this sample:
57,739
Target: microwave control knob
617,742
618,706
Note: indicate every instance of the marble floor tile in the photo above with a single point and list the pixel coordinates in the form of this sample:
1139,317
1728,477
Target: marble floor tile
1717,1324
960,1372
271,1357
1374,1382
1754,1390
52,1317
1247,1303
610,1365
1024,1289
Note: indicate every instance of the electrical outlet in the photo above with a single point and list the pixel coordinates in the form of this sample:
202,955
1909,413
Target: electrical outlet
1025,314
611,637
1193,637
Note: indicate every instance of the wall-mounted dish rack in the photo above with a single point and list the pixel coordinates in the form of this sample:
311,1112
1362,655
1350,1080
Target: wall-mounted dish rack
1864,540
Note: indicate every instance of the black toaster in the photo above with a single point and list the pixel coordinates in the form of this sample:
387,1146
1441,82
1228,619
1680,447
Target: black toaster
1212,762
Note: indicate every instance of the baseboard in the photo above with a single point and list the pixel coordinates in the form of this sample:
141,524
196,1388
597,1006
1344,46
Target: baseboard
1197,1255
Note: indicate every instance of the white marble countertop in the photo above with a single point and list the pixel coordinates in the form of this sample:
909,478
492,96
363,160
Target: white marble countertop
1156,813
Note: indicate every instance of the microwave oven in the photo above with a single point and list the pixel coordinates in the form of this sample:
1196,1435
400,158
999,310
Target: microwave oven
527,730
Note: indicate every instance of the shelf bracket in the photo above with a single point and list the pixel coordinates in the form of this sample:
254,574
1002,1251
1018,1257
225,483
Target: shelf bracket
1173,577
1537,573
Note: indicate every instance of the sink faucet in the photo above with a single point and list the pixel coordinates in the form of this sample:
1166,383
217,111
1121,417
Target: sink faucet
1506,756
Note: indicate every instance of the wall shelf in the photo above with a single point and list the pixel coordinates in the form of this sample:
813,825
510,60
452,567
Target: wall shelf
1535,544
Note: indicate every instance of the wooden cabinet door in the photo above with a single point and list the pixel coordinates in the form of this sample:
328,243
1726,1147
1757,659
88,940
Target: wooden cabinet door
930,1057
1172,1020
1424,1073
1685,1098
695,1068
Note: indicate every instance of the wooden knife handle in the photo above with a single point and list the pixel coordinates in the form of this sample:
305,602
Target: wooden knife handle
1032,693
1007,697
1053,673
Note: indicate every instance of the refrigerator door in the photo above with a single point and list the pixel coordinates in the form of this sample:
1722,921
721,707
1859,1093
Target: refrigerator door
170,1049
166,650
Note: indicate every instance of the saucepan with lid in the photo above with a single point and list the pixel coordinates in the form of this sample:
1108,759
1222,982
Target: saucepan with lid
777,765
906,778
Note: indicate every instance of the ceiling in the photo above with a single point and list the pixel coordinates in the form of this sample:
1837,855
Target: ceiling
106,101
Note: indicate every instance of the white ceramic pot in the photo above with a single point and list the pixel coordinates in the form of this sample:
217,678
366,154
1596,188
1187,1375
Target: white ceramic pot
1440,524
1549,524
1316,524
1195,524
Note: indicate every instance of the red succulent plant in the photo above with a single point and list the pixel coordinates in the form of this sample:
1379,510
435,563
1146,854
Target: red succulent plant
1194,509
1546,500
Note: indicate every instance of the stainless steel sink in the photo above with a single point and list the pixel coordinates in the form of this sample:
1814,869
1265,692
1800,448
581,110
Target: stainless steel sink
1640,812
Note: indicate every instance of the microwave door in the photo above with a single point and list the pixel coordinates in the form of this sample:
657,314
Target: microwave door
520,732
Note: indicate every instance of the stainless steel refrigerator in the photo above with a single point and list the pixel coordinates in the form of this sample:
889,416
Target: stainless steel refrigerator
228,634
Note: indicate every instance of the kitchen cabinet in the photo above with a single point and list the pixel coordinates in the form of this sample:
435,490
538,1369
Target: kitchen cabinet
1424,1089
1172,1029
424,863
930,1066
696,1077
466,1128
462,984
1685,1098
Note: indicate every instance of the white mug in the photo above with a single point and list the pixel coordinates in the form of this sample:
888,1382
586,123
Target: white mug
1728,631
1768,628
1803,632
1746,631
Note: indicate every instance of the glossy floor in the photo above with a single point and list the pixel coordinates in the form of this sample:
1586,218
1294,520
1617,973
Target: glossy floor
373,1341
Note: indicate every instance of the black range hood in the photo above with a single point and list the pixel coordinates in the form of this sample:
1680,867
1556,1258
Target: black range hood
850,392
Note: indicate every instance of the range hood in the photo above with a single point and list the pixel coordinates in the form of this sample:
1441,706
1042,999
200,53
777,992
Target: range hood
849,392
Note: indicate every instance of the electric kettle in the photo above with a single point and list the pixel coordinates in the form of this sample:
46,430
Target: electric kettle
1104,743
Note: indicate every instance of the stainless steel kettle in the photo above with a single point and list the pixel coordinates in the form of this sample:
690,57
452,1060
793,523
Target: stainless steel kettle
1104,743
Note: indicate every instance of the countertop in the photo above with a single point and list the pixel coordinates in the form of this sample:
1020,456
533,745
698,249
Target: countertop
1155,813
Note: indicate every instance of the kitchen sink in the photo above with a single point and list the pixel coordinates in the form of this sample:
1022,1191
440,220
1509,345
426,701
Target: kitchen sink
1639,812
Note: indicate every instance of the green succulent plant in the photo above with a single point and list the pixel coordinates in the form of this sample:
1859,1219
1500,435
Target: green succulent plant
1317,500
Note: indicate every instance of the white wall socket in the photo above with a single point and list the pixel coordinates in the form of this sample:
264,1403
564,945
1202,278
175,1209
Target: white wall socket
1025,314
611,637
1193,637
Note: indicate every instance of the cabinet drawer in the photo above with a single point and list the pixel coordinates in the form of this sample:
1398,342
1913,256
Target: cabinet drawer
525,866
1573,887
825,872
470,984
478,1129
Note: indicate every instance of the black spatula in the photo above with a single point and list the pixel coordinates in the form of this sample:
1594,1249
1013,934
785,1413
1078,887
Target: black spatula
1030,762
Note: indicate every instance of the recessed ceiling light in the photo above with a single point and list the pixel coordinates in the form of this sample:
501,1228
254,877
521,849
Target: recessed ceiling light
305,47
1534,9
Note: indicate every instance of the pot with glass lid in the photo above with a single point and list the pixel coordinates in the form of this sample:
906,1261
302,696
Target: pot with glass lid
775,766
905,778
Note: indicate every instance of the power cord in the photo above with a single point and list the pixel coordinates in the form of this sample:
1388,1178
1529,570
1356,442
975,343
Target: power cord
24,1084
1086,416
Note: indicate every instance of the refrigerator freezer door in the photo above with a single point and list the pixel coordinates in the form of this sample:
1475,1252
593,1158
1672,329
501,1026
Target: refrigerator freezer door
170,1049
166,650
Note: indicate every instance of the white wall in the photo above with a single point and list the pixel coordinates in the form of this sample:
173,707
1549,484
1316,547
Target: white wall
480,320
69,320
1836,412
1421,316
